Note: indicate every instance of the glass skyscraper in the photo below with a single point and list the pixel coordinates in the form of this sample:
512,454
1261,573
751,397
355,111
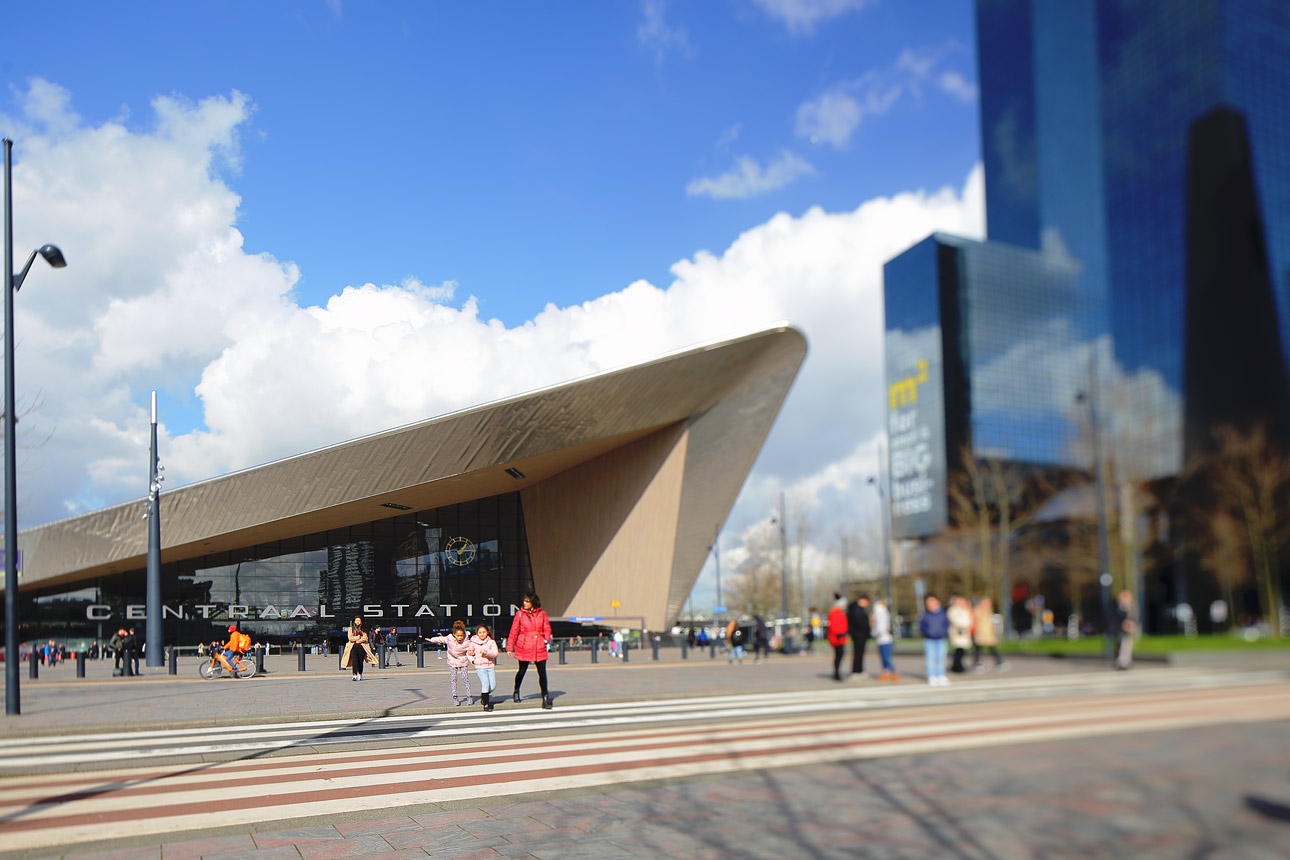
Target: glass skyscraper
1137,164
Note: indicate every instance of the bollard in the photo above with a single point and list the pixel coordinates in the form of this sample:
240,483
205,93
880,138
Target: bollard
622,649
301,667
562,660
259,660
421,655
127,664
712,650
380,655
595,652
655,650
685,650
34,671
174,660
80,664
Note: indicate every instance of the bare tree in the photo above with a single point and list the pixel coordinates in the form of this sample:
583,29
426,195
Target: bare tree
754,589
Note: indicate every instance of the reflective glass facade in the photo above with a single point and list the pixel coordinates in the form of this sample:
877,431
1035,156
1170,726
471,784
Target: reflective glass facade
419,569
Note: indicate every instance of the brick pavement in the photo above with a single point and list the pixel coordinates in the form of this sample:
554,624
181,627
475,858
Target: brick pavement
1220,792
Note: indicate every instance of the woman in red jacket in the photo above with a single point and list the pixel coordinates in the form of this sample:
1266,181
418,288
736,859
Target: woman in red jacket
530,635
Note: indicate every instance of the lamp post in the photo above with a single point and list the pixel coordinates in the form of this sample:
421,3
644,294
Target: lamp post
1103,538
152,630
13,283
783,559
886,539
716,555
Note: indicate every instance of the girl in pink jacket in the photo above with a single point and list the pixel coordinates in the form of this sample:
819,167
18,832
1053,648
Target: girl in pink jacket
482,651
458,660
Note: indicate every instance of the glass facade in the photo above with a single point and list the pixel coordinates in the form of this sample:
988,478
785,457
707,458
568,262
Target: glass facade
418,570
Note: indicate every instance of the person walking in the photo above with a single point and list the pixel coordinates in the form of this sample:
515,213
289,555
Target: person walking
358,651
735,636
934,624
882,636
458,661
482,651
117,646
761,640
1123,617
527,643
859,627
985,635
961,619
837,633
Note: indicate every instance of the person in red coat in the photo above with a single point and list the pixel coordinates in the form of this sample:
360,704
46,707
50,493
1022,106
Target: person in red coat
838,633
527,643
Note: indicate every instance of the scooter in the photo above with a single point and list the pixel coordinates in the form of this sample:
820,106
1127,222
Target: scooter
219,666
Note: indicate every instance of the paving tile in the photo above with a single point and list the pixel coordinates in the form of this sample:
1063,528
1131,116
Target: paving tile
341,849
280,852
375,825
194,848
146,852
584,849
502,826
440,839
452,816
274,838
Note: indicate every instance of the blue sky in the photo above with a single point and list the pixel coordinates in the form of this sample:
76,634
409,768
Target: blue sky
237,185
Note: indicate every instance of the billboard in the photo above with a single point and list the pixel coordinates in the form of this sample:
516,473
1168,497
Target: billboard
916,433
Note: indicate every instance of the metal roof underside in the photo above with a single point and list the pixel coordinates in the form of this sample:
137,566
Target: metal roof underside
729,393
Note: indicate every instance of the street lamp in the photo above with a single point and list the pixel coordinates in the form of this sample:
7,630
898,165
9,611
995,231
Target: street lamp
783,558
886,539
13,283
1103,537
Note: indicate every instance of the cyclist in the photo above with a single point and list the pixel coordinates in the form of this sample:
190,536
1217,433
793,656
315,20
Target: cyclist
236,647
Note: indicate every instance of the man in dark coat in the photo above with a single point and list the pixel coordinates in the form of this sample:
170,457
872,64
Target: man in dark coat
858,627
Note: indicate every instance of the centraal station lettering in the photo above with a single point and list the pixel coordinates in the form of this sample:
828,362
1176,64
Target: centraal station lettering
230,611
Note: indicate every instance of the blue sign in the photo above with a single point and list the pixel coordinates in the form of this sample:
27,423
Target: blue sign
586,618
719,609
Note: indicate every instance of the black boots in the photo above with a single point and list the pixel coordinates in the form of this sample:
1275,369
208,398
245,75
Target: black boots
546,702
483,697
515,697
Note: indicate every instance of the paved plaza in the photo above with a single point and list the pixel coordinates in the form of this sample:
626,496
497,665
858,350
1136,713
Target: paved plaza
1168,781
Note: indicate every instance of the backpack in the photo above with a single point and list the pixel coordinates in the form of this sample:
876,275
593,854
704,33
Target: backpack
737,636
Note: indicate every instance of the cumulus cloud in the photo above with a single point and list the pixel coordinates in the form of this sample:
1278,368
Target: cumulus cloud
834,115
748,179
801,16
197,314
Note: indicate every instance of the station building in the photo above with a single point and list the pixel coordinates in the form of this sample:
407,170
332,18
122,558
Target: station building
602,494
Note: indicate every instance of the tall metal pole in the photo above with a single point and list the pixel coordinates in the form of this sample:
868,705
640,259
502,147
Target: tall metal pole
716,550
886,534
1103,539
154,647
783,558
11,703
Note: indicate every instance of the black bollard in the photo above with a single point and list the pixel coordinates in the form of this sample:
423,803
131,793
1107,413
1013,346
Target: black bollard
421,654
34,671
595,652
623,648
685,650
655,650
301,667
562,660
127,665
380,654
174,660
712,650
259,660
80,664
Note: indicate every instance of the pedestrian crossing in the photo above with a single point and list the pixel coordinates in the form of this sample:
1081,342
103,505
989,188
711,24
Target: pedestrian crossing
108,749
588,747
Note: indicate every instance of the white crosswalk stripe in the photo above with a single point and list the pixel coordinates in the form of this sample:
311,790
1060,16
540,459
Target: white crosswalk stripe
585,747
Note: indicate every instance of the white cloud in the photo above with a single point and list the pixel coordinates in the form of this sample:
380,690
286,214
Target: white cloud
160,293
656,35
801,16
834,115
748,179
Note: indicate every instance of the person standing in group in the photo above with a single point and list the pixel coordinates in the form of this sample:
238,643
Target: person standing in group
882,636
527,643
358,652
1124,617
458,661
858,627
735,636
761,640
961,618
837,633
935,626
117,646
392,647
985,635
132,648
482,651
